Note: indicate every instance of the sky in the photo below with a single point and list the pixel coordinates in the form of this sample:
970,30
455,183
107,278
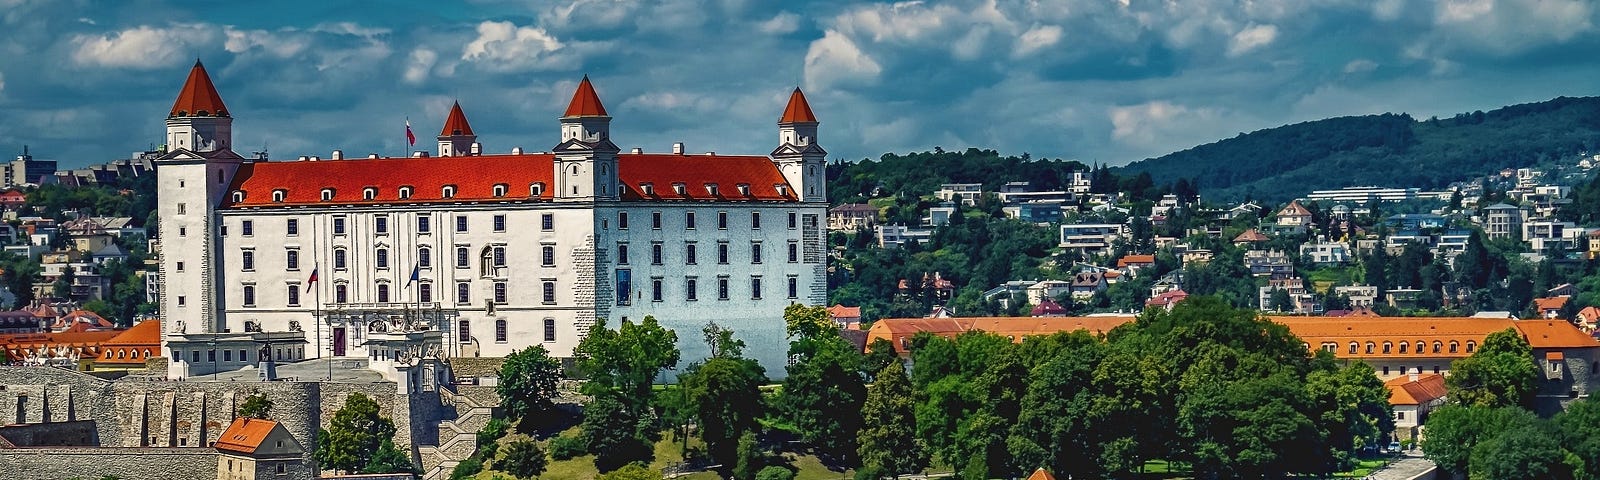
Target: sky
1099,81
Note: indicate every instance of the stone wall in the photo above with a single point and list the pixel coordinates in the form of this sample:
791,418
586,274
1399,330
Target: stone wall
79,433
57,463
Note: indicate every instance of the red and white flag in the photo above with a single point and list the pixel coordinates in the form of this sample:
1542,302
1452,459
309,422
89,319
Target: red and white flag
411,139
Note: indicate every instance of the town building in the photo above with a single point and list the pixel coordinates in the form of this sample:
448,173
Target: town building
1413,397
466,253
1503,221
1364,195
967,194
1092,238
24,170
852,217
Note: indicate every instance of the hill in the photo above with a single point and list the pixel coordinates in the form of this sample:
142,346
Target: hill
1388,150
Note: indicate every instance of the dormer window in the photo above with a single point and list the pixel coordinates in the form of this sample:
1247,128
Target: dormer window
622,189
449,191
679,188
783,190
238,196
279,194
647,188
744,189
405,192
537,189
711,189
327,194
500,189
369,193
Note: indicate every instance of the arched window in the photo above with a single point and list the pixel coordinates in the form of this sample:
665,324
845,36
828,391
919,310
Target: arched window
1403,346
1353,348
1386,347
279,194
1437,346
238,196
449,191
500,189
327,194
1471,345
1421,347
1370,346
424,257
536,189
405,192
369,193
1454,346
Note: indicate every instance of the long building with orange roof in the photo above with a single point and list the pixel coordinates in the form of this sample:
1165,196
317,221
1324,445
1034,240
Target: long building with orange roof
131,348
72,349
899,331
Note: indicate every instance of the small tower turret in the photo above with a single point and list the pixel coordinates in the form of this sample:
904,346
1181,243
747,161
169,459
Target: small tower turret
799,156
456,138
199,122
586,160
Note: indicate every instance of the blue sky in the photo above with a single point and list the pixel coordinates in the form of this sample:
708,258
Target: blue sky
1095,80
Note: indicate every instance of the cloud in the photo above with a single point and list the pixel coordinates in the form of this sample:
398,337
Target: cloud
782,24
1144,123
1251,38
282,45
418,65
503,47
2,82
1360,65
835,60
1036,38
143,47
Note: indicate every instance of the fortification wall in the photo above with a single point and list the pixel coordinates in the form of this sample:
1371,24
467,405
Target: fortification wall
57,463
79,433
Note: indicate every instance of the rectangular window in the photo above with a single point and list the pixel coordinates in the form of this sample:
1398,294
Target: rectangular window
247,260
464,331
688,220
461,223
755,253
622,254
722,253
180,266
655,253
655,220
425,257
247,228
380,224
722,220
291,259
425,292
292,227
549,292
180,300
181,209
689,254
381,258
499,331
463,293
462,257
794,252
755,288
249,295
794,287
624,287
622,220
499,223
655,289
338,225
722,287
294,295
211,355
549,329
793,220
547,222
341,293
691,289
227,355
499,256
547,255
383,293
424,223
500,293
755,220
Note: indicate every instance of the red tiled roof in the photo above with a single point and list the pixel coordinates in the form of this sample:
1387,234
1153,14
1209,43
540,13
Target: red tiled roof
1135,260
199,97
1250,235
1554,334
727,172
130,346
1048,307
841,311
585,103
798,111
1550,303
86,344
1405,391
456,123
1295,209
1040,474
245,435
897,330
1166,298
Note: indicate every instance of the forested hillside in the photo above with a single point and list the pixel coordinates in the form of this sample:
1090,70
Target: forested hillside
1389,150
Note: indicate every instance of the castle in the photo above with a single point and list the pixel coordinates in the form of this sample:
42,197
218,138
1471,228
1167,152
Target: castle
461,253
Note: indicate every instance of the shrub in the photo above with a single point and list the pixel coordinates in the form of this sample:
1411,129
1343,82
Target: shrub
775,472
492,431
566,447
466,469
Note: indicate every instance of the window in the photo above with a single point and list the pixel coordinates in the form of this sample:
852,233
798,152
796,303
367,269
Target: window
464,331
180,266
424,223
183,232
622,254
500,293
794,287
755,288
341,293
227,355
424,257
380,224
655,220
211,355
425,292
1385,370
327,194
622,220
655,289
1471,345
793,220
689,254
449,191
247,228
338,225
461,224
383,293
382,258
755,220
722,287
247,260
549,329
463,257
291,259
463,293
278,195
536,189
1403,346
1386,347
1370,346
794,252
499,256
500,331
688,220
1435,369
547,222
1420,347
405,192
1453,346
547,255
722,253
755,253
1352,348
691,289
294,295
249,295
549,295
292,227
624,291
655,253
500,190
369,193
1437,346
722,220
499,223
180,209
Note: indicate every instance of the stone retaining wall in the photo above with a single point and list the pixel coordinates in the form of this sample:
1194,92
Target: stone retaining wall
57,463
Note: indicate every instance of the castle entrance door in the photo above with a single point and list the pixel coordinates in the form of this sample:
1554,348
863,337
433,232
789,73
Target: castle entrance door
338,341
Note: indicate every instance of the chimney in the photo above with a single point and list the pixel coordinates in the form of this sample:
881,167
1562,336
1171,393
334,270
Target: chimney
476,149
677,148
1414,371
637,150
516,150
337,155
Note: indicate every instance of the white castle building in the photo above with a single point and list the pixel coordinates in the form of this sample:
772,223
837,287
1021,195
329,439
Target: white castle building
473,254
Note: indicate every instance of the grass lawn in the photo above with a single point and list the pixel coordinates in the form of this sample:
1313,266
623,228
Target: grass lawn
668,453
1363,468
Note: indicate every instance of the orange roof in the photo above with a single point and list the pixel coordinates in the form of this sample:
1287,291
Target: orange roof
245,435
130,346
1554,356
1250,235
1405,391
199,97
798,110
456,123
1554,334
1040,474
1550,303
727,172
841,311
1294,209
86,344
1135,260
1341,331
585,103
897,329
1589,314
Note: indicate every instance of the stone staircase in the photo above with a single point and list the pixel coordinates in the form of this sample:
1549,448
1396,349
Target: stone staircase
458,436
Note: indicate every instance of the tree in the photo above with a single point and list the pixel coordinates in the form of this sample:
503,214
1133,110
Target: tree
1580,432
1528,450
256,406
389,459
1281,301
354,436
528,381
1501,373
748,458
622,365
824,389
632,471
615,434
1455,430
886,438
1354,410
725,395
522,458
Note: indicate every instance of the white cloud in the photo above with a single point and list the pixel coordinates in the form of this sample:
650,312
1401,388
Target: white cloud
1251,38
781,24
418,65
1036,38
503,46
2,82
283,44
1360,65
1145,123
672,101
143,47
834,59
970,46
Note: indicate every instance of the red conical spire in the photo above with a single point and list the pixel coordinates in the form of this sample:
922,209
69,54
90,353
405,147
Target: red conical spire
199,97
798,111
456,123
585,103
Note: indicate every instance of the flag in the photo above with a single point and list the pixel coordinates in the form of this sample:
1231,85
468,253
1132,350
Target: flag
416,274
411,138
311,281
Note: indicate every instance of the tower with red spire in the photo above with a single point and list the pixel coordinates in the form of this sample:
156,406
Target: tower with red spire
457,139
199,121
799,156
586,160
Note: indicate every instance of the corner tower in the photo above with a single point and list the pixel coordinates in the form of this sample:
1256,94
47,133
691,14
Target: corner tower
456,139
199,122
799,156
585,160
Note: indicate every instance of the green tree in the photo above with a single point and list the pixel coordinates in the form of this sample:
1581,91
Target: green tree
632,471
1500,373
388,458
725,394
615,434
775,472
528,381
1354,410
886,438
1528,450
748,456
1580,433
522,458
824,389
256,406
1455,430
622,366
354,435
1281,301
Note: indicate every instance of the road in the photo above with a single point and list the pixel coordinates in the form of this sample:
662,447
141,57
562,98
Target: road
1405,468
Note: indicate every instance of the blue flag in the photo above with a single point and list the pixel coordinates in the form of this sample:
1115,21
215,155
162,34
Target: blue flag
416,274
